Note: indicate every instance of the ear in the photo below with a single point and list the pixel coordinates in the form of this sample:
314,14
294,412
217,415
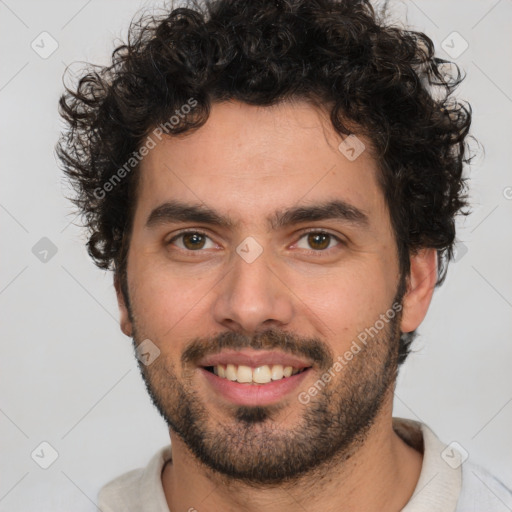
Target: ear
125,321
420,288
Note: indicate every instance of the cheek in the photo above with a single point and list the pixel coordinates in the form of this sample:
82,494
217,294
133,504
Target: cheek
164,301
343,304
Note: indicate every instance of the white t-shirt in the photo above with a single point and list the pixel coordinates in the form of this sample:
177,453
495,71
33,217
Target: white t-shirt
447,483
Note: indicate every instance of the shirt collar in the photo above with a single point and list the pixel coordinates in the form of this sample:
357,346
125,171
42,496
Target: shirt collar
440,482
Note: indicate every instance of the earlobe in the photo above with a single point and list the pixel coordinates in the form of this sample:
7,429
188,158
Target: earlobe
124,320
420,288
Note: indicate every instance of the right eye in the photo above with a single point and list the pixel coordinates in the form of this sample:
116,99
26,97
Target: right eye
191,241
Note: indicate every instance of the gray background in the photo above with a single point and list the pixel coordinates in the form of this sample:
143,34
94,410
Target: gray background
68,376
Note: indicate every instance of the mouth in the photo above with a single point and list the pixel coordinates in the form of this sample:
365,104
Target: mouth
247,375
254,378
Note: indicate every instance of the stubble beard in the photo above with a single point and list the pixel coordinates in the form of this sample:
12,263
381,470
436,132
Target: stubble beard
251,445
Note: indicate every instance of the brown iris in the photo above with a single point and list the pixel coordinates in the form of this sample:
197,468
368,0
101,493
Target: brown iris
319,241
193,240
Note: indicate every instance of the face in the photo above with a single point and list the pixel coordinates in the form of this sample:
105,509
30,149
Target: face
259,255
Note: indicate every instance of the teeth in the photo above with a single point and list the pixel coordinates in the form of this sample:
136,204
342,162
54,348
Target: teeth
244,374
231,372
261,375
277,372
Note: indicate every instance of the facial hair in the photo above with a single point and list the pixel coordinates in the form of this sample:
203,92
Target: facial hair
251,445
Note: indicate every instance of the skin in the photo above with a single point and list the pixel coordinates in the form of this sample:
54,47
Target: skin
246,162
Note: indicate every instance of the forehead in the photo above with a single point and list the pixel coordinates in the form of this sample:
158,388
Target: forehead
252,161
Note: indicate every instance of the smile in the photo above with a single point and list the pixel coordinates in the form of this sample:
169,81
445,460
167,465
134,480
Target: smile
253,377
260,375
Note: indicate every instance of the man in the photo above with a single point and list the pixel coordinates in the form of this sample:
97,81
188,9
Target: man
275,185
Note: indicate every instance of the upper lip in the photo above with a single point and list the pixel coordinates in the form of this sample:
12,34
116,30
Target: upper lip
254,358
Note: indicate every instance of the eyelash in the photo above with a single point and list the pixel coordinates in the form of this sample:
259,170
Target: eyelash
302,234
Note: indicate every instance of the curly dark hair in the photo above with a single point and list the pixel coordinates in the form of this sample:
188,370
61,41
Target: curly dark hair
376,80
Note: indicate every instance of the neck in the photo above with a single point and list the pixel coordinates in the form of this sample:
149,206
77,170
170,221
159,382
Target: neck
380,475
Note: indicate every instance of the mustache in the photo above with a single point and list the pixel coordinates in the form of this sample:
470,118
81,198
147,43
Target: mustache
310,348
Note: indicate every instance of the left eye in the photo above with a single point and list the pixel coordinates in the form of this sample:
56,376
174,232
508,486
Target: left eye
318,240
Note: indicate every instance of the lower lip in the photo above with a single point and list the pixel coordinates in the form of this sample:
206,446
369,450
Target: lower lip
254,394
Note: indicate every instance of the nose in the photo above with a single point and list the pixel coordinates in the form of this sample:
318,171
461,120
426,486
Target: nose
252,297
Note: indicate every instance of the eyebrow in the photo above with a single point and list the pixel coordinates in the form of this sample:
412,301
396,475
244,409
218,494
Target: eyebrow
177,211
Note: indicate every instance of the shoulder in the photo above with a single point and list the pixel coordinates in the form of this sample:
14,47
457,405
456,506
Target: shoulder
482,491
448,481
139,490
121,493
